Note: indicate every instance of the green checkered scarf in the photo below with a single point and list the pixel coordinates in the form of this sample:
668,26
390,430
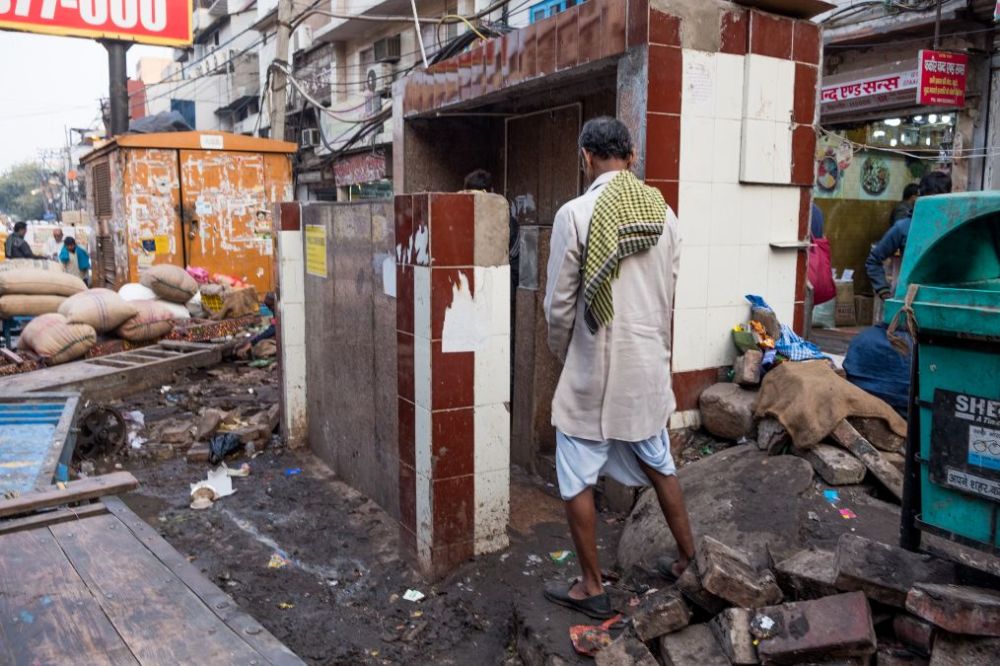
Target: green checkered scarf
628,218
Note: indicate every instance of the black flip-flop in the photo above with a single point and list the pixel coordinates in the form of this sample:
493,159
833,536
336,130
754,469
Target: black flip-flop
597,606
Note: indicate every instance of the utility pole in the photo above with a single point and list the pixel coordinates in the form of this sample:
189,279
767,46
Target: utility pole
279,82
118,88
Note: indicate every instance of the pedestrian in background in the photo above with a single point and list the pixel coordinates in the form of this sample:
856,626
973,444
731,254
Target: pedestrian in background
75,260
904,208
16,247
611,276
54,245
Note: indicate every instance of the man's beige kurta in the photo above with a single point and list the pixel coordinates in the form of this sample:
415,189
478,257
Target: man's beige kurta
615,384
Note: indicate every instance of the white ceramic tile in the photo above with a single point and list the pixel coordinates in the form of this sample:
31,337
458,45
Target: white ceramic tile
719,322
700,84
754,269
784,214
491,368
758,156
290,245
494,280
729,73
785,312
692,279
783,90
422,442
758,99
690,418
492,438
782,153
723,275
689,340
694,220
755,202
293,322
697,143
422,372
422,302
726,153
292,282
726,214
425,517
492,510
781,276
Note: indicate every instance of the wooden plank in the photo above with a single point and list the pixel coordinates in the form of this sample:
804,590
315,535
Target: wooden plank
111,363
47,614
158,617
76,491
63,442
11,356
218,601
65,515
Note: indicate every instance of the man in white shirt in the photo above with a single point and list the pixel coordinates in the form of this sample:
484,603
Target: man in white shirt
54,245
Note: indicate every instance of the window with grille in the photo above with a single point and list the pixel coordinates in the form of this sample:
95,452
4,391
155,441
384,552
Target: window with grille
102,190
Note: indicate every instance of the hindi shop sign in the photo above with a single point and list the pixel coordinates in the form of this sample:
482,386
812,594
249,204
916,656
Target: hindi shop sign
160,22
880,91
943,77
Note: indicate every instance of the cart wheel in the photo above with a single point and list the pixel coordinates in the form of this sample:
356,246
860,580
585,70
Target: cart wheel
102,431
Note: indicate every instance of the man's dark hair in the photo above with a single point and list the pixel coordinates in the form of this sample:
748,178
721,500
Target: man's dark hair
20,226
910,190
936,182
606,137
480,179
69,240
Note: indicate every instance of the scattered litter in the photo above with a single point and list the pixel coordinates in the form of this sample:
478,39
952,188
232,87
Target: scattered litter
847,514
216,486
503,558
413,595
241,471
561,556
284,605
813,516
222,445
293,471
652,590
136,417
261,363
633,602
589,639
533,559
135,440
762,626
393,598
333,583
706,450
417,614
832,496
250,391
165,389
277,561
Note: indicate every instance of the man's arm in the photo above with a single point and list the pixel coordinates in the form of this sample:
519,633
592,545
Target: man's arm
22,250
563,283
891,242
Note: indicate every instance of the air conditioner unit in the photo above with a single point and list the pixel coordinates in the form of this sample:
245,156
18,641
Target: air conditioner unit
302,38
311,138
388,49
378,78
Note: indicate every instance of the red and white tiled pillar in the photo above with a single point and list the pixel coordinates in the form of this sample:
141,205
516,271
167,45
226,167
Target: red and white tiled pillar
453,335
291,323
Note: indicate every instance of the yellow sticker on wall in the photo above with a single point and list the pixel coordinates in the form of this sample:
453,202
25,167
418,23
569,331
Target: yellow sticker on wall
316,250
162,244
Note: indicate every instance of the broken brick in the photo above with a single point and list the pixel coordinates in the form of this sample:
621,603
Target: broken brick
728,573
808,574
883,572
878,432
834,627
660,613
895,655
626,650
974,611
746,369
690,585
727,410
914,632
772,436
199,453
952,650
731,628
890,477
834,465
692,645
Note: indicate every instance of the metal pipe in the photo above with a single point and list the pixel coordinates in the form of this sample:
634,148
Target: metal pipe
118,86
937,25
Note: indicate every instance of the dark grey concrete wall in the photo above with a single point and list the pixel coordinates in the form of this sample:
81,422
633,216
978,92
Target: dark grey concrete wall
351,348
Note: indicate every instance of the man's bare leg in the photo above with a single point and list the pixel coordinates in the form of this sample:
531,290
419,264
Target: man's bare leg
582,517
671,497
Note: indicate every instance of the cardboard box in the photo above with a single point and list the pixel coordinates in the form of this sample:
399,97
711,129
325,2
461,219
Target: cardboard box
844,314
864,310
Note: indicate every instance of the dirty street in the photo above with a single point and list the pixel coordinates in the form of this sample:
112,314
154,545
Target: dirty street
516,332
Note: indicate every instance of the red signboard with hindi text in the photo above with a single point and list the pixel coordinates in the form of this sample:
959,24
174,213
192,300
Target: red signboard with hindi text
942,78
161,22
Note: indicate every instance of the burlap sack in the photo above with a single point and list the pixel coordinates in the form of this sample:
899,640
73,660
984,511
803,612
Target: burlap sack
102,309
21,305
238,303
133,291
151,322
171,283
20,264
56,340
40,281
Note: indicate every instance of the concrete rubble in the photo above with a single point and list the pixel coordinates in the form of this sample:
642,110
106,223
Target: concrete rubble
727,410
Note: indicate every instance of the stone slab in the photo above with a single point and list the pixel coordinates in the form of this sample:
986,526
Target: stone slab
731,629
914,632
954,650
728,573
690,586
818,630
772,436
890,477
959,609
727,410
834,465
809,574
626,650
747,368
692,645
660,613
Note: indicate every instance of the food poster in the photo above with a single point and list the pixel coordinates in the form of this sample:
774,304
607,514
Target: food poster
857,191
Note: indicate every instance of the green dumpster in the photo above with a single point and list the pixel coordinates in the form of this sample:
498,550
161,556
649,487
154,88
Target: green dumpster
951,278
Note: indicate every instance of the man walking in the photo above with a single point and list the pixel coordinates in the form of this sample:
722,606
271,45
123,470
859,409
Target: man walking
611,275
16,247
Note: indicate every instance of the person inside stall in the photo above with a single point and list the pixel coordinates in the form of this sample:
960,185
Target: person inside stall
904,208
16,247
75,260
246,349
894,240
